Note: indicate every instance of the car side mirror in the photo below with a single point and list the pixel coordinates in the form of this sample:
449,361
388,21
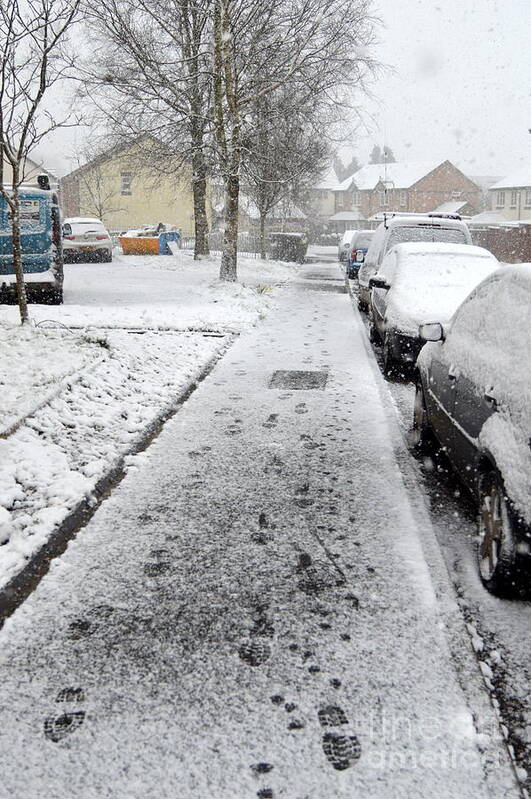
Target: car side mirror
379,283
431,331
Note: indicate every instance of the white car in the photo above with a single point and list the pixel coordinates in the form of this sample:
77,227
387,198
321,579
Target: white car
419,283
86,239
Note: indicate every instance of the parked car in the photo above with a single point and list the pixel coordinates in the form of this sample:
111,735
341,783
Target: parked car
473,396
359,244
396,229
41,244
86,239
417,283
344,245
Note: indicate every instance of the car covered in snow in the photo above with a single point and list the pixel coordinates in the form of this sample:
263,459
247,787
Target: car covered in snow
86,239
344,245
359,245
417,283
473,396
399,228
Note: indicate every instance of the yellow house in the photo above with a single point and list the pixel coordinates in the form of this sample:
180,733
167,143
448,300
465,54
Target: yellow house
125,192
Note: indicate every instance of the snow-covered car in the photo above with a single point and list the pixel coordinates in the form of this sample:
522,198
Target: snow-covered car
396,229
344,245
86,239
359,245
473,395
417,283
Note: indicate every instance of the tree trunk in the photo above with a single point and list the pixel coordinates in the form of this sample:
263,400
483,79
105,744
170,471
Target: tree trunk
17,252
229,256
262,235
199,185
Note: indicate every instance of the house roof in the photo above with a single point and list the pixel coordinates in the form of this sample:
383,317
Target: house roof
451,207
347,216
520,179
328,181
398,175
490,218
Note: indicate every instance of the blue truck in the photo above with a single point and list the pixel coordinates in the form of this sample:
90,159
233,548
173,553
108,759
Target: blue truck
41,243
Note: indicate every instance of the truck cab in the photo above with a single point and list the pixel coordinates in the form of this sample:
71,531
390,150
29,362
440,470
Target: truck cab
41,242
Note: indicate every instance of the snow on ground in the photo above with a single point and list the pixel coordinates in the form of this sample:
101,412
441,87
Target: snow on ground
90,396
162,292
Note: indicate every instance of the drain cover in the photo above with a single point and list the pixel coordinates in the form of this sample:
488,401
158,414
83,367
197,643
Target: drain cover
298,380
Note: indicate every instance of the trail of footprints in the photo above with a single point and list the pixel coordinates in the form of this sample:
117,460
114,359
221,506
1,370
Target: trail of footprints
340,745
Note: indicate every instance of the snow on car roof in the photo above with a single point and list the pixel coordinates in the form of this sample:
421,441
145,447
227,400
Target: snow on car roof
433,248
80,220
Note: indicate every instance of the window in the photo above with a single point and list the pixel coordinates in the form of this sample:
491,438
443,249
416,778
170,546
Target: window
514,196
456,195
340,200
356,198
527,198
126,180
500,198
382,198
403,198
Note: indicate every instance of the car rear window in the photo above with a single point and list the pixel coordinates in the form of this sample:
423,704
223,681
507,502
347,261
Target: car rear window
426,233
79,228
362,240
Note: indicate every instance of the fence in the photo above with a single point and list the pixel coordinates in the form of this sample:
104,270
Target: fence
510,245
248,243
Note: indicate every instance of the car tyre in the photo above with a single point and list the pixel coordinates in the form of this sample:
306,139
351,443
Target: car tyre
107,257
373,333
421,438
497,525
389,362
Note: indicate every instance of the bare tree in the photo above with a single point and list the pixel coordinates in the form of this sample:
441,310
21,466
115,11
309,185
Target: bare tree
317,46
284,152
150,79
32,60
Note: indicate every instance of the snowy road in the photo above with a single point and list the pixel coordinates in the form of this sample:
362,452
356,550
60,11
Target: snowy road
260,608
500,628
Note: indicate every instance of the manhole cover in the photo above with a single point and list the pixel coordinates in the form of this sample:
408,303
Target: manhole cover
298,380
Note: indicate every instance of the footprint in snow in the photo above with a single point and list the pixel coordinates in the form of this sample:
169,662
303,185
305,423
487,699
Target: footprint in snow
58,727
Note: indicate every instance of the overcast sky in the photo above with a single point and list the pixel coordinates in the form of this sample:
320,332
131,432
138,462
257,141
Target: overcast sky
458,86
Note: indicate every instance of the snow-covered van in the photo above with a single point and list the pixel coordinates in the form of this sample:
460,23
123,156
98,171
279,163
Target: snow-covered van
42,251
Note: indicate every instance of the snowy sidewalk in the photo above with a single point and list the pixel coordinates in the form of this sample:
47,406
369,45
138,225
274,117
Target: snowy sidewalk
250,613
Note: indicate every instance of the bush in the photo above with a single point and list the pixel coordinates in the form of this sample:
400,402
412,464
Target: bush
287,246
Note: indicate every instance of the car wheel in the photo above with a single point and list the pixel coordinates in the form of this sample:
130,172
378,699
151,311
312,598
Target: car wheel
422,438
107,257
373,333
496,527
389,362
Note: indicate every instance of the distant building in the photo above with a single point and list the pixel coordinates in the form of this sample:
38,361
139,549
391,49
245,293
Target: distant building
32,169
122,189
418,187
510,197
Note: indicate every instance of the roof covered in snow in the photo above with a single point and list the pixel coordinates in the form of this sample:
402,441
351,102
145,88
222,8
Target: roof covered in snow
347,216
328,181
452,207
516,180
400,175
